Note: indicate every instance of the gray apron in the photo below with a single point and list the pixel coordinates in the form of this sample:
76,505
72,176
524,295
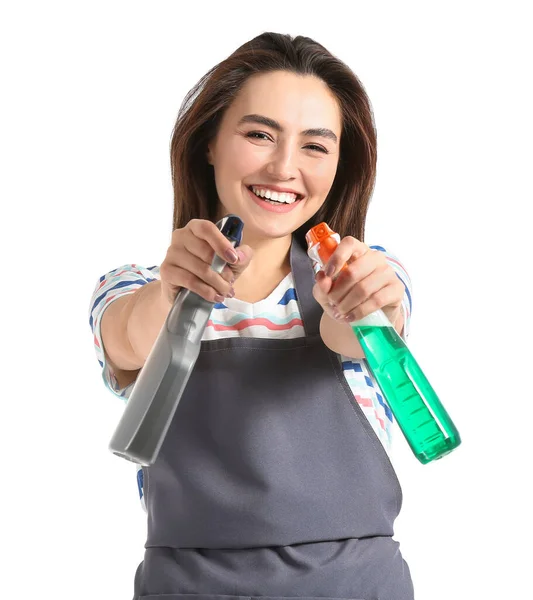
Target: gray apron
271,482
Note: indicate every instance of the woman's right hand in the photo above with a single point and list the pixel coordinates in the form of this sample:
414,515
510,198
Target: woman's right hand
188,262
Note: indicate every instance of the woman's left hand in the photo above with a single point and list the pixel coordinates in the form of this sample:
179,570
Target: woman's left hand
366,284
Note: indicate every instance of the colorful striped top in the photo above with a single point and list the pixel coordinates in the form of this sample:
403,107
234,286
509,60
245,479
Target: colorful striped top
277,316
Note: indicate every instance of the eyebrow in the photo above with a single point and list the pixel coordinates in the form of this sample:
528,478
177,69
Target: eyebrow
268,122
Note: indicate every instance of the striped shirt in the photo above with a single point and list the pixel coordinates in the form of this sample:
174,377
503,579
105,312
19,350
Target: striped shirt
277,316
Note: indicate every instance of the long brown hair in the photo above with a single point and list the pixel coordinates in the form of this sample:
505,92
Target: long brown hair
195,195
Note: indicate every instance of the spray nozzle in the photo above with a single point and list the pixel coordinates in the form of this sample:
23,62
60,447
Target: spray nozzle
321,243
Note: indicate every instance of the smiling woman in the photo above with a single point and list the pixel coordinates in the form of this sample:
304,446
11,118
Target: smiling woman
295,150
348,138
273,480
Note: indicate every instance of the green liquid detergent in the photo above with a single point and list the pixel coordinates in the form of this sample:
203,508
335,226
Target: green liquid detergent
423,420
419,413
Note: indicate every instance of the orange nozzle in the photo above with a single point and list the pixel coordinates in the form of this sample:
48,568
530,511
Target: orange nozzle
323,235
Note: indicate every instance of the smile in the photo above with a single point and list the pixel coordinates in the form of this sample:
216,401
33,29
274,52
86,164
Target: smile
277,196
272,201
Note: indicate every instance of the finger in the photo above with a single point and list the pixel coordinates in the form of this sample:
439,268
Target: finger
363,290
354,275
349,249
228,275
185,261
208,231
199,247
205,252
384,296
320,293
322,287
245,255
195,284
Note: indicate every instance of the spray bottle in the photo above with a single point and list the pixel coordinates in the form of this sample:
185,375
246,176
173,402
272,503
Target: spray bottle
416,407
164,376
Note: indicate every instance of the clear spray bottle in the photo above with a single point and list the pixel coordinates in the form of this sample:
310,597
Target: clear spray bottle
161,382
416,407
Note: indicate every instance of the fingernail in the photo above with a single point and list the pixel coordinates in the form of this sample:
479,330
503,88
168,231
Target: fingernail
231,255
219,298
349,317
231,293
330,269
240,255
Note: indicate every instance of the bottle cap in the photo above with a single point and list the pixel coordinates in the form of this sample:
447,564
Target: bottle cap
323,240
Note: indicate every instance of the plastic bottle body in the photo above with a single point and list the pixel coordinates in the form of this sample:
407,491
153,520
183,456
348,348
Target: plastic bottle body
160,384
416,407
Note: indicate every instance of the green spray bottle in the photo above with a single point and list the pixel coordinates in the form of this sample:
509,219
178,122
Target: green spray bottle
422,418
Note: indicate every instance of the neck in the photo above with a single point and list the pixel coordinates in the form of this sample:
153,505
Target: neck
269,265
270,255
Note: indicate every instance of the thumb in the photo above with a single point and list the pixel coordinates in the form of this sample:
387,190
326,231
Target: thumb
321,289
245,254
324,283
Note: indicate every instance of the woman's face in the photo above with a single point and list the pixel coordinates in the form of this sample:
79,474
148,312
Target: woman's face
279,138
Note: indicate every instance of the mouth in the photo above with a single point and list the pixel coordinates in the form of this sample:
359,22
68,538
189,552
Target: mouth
274,197
278,202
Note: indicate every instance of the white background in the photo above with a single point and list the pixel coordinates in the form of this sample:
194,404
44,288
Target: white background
90,94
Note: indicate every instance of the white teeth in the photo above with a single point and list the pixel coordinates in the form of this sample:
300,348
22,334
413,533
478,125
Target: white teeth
285,197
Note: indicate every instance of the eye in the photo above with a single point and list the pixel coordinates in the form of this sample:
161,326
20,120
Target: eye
319,148
257,135
260,135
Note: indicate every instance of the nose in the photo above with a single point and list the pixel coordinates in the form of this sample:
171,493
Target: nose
282,163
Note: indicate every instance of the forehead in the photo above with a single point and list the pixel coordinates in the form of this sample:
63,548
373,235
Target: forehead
302,101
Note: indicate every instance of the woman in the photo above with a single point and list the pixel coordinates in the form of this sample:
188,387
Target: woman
271,482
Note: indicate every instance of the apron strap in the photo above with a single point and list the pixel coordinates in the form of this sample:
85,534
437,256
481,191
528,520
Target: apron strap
304,280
